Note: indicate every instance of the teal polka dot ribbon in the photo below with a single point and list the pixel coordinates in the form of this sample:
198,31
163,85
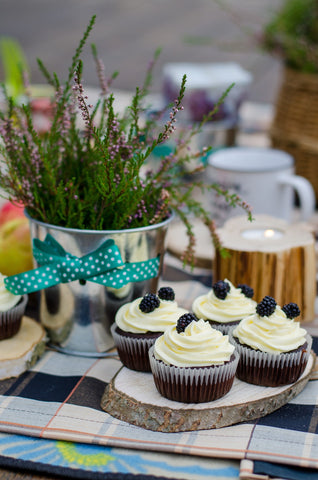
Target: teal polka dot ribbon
104,266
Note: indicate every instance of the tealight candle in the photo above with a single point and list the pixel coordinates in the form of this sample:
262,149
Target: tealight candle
273,257
262,233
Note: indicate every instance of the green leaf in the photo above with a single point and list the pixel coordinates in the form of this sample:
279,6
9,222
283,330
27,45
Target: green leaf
14,64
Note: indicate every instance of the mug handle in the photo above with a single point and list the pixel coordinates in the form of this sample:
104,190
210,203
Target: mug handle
305,192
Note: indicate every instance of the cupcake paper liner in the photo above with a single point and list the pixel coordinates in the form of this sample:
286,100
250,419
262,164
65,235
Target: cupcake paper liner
223,327
132,350
269,369
193,384
10,321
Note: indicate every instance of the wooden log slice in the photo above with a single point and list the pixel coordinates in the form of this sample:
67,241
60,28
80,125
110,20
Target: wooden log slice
20,352
132,397
177,241
284,267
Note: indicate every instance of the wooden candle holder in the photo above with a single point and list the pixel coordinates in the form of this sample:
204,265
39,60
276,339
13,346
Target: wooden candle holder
282,266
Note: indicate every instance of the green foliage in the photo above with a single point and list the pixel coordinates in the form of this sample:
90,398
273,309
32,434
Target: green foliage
94,173
14,63
292,34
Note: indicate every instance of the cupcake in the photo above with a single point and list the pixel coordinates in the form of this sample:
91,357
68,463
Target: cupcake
225,305
193,362
139,323
273,348
12,308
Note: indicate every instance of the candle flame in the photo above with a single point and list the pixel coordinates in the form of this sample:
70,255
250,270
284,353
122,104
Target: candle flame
269,233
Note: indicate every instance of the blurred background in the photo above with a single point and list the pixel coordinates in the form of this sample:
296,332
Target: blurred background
127,32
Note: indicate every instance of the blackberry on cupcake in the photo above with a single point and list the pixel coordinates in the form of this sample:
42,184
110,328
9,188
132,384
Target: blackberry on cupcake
184,321
225,305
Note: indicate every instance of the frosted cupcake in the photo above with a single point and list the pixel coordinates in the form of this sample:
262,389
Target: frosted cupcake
139,323
193,362
12,308
225,305
274,349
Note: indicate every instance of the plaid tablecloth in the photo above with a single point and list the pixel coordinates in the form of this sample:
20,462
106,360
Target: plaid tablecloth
59,400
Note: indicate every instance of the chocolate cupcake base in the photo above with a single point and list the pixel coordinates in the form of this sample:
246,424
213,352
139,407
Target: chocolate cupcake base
271,370
193,384
133,348
10,321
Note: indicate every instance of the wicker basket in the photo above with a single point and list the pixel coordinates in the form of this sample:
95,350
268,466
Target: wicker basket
305,154
295,123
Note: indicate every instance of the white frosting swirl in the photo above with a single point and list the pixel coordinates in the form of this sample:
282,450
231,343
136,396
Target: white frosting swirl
273,334
7,299
234,307
199,345
131,319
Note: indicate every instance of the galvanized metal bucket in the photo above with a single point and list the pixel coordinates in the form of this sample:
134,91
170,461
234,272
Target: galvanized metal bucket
78,315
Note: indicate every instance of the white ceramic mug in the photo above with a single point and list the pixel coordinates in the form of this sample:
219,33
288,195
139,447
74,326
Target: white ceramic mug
264,178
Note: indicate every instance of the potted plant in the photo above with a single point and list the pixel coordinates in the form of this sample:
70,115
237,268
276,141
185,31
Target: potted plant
90,194
292,36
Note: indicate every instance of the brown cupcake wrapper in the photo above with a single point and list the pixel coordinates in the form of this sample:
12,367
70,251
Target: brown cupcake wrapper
10,321
132,351
269,369
193,384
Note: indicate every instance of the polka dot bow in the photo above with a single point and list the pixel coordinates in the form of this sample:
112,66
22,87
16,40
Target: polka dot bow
104,266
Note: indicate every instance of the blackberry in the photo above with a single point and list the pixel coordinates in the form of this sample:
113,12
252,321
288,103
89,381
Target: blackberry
266,307
221,289
246,290
166,293
291,310
184,321
149,303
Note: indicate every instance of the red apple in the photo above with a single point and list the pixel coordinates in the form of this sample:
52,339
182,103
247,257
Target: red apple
15,246
9,211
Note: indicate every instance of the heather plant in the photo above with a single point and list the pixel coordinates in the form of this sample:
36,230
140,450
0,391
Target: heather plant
94,174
